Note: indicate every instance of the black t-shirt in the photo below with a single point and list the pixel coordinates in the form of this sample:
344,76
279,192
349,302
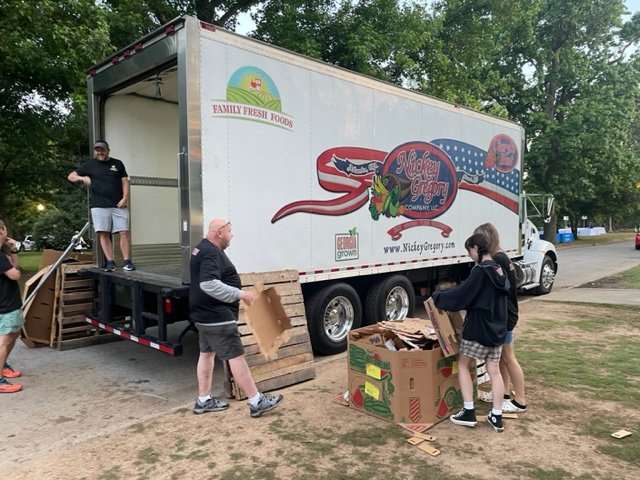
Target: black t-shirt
9,289
106,181
208,262
503,260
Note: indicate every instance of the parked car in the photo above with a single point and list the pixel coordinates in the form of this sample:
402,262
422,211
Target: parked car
27,244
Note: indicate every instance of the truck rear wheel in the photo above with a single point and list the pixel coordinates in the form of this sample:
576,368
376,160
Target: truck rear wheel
392,298
547,276
332,312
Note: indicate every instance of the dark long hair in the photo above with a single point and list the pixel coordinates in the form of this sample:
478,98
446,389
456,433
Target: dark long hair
480,241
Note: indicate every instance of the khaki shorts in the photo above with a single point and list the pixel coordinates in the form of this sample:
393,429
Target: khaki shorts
11,322
223,340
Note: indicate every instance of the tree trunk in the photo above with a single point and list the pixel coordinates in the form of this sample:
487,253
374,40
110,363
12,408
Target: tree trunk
610,224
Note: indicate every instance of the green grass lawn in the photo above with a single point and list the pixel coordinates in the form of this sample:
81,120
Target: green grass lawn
627,279
591,352
29,261
602,239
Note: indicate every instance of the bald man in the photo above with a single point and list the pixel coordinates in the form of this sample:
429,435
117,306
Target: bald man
215,296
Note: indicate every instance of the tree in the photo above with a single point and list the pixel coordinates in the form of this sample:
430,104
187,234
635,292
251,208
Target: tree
46,47
132,19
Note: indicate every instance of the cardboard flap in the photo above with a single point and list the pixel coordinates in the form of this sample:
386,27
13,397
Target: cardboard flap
268,322
447,336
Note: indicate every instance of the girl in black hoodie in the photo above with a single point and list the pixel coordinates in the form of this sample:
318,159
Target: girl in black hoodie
484,296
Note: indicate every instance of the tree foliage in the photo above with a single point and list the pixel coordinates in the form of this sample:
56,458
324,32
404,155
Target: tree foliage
567,71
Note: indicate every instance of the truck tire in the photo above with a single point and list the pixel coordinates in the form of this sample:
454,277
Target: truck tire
547,276
391,298
331,313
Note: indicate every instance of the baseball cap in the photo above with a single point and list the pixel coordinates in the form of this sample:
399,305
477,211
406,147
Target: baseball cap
101,144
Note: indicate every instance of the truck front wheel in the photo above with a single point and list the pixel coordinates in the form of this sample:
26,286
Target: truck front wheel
547,276
392,298
331,313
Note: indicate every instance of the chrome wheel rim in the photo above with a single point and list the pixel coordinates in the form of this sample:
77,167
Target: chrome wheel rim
338,318
396,305
548,276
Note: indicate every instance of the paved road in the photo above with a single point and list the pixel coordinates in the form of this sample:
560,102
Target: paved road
81,393
585,264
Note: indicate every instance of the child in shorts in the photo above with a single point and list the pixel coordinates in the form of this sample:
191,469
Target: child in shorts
484,296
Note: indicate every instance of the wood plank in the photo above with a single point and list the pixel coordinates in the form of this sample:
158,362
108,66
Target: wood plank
283,352
87,341
74,309
283,289
77,296
295,339
244,329
71,319
295,321
273,366
284,300
282,371
251,339
248,279
56,305
294,310
79,328
279,382
76,284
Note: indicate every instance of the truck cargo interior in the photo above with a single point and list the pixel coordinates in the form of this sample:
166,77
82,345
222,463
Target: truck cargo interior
141,126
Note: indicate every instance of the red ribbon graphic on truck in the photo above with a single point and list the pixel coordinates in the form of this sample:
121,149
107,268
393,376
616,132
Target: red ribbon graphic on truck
416,180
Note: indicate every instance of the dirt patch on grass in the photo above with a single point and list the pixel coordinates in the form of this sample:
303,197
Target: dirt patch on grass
627,279
565,435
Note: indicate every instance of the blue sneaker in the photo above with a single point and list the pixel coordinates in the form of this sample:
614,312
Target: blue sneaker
128,266
109,266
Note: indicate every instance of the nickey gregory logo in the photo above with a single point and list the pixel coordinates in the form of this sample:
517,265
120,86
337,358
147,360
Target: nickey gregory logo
252,95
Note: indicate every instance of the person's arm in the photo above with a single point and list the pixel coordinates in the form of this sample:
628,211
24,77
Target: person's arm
9,266
460,297
211,284
80,174
125,193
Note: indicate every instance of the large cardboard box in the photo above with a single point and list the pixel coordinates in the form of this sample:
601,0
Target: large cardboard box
416,386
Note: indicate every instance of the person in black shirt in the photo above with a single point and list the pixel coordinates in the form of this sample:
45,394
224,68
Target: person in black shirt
214,300
10,308
108,184
484,296
509,365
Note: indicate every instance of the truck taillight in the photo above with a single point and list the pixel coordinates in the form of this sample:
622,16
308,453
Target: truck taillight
168,306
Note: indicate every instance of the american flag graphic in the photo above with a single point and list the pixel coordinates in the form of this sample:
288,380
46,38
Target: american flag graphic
469,160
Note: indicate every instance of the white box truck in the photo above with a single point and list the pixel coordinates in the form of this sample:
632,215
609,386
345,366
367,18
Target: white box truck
366,189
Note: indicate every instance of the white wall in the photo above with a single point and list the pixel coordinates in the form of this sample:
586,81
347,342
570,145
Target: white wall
144,134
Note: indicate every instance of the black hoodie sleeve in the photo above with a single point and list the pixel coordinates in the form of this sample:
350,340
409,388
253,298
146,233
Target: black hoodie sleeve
460,297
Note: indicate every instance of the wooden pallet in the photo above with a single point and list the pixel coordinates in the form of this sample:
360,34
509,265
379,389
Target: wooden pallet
294,360
73,302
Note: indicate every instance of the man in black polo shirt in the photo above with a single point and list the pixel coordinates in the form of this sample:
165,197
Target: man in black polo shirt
214,298
108,182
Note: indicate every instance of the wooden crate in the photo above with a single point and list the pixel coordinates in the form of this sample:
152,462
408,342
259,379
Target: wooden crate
294,360
73,302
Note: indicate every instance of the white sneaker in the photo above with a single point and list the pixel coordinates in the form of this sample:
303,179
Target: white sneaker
509,407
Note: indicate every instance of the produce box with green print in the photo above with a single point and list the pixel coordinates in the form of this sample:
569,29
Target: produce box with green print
406,386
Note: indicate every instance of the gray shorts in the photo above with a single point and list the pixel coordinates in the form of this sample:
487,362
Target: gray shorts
223,340
472,349
110,219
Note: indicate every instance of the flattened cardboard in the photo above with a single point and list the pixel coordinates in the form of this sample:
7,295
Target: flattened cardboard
38,313
621,434
268,322
417,386
444,328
